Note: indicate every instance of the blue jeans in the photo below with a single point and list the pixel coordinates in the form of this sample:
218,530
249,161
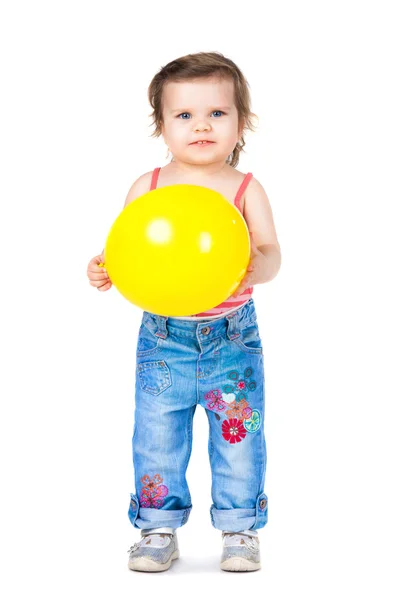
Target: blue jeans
218,364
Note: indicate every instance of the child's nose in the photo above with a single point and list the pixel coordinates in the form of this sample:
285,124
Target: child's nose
202,126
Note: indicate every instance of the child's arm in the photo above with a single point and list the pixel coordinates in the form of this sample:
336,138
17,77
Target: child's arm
139,187
265,260
96,271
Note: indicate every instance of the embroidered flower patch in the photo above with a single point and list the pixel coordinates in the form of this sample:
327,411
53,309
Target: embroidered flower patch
246,412
215,401
153,493
234,404
236,410
233,431
253,424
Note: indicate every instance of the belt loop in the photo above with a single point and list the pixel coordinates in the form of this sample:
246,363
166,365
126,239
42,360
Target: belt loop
233,331
162,331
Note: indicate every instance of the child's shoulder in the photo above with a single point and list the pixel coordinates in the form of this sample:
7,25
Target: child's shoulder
139,187
252,187
238,177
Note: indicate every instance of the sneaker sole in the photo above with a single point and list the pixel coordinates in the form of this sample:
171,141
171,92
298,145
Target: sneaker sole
239,564
151,566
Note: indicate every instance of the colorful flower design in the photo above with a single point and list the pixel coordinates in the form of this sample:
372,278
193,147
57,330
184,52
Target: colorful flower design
229,389
253,424
215,401
246,412
234,375
229,398
232,401
153,493
151,483
236,410
233,431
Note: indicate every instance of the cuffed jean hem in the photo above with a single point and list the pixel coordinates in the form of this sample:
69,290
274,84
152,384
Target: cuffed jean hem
239,519
151,518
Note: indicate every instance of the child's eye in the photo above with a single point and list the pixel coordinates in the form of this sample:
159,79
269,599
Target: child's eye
186,115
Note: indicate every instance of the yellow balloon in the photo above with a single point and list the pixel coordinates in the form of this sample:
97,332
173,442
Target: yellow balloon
178,250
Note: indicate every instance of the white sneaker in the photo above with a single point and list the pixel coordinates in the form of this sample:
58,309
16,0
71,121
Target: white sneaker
241,551
155,551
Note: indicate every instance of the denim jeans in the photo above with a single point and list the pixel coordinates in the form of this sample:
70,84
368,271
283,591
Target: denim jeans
219,365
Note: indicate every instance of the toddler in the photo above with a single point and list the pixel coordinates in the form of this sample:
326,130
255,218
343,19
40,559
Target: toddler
201,107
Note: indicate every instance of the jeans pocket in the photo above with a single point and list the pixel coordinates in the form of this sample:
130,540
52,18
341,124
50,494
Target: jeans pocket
154,377
147,343
249,340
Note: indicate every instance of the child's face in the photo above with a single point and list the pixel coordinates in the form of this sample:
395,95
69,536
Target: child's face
200,109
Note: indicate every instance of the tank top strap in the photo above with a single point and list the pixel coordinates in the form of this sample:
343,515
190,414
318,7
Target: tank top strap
154,178
242,189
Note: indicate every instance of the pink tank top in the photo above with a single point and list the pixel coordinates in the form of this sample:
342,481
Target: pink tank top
230,303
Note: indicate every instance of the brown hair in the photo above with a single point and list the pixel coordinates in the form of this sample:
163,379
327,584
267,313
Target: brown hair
201,65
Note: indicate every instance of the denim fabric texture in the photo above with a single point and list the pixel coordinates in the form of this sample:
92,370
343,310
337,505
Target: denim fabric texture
219,365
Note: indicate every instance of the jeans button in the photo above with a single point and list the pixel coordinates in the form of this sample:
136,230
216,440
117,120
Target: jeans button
206,330
263,503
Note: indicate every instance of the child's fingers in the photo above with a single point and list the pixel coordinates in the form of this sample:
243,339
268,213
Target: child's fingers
96,269
96,275
105,287
96,263
100,281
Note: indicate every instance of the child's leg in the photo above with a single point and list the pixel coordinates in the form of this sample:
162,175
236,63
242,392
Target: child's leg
162,440
234,402
161,446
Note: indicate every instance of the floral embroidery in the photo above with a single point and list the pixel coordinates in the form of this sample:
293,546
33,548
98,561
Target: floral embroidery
150,483
215,401
236,410
152,494
253,424
233,402
229,389
251,385
233,431
247,412
213,394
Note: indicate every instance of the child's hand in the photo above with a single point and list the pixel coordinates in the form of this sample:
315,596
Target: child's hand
97,274
254,271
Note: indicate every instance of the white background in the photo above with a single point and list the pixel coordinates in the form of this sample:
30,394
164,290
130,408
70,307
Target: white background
75,134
